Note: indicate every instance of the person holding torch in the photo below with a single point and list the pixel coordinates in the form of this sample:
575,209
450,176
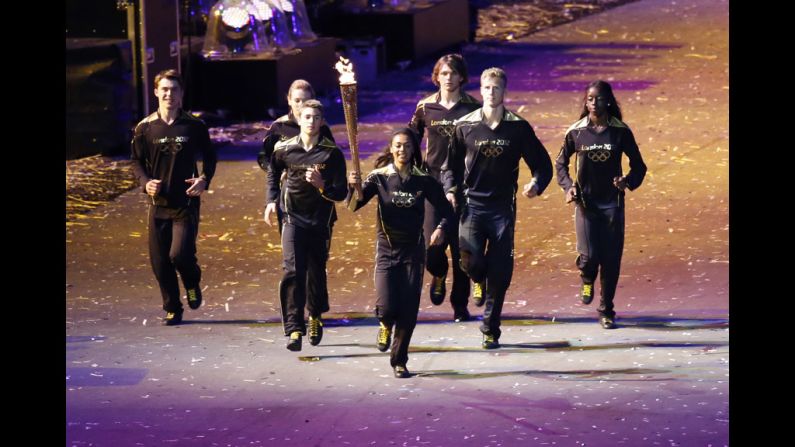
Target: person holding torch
401,189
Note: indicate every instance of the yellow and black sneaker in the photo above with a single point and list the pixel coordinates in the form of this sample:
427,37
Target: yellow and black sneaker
438,289
384,338
194,297
173,318
315,330
489,342
295,341
401,372
587,293
478,293
607,322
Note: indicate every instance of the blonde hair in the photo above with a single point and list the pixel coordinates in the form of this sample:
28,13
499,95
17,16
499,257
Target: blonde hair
495,72
300,84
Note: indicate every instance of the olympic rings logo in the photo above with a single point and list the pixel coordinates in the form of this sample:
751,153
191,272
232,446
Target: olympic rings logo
491,150
170,147
599,155
445,131
403,199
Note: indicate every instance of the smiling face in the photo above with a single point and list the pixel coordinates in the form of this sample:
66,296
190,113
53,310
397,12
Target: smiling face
169,94
401,149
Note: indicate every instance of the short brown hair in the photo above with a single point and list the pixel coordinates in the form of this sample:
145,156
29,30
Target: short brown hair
169,74
313,104
454,61
495,72
300,84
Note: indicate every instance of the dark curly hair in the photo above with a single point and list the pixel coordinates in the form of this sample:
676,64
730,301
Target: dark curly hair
385,157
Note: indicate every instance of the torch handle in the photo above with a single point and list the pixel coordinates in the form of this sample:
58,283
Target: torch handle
349,107
354,143
355,160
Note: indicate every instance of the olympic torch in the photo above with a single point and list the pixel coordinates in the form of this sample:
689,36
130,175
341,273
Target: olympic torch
348,90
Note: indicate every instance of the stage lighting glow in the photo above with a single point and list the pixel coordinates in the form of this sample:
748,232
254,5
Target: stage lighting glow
235,17
236,28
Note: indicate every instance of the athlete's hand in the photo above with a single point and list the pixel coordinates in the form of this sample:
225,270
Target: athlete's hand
314,178
355,180
571,195
452,200
437,237
269,209
620,182
530,190
198,185
153,187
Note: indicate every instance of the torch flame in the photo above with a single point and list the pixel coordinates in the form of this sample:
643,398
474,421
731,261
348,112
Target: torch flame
345,67
348,94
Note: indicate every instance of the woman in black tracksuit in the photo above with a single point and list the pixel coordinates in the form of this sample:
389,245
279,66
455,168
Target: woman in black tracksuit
402,188
598,140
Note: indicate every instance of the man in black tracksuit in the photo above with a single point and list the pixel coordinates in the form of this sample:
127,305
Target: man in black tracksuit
437,113
598,141
282,129
484,161
315,180
165,146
